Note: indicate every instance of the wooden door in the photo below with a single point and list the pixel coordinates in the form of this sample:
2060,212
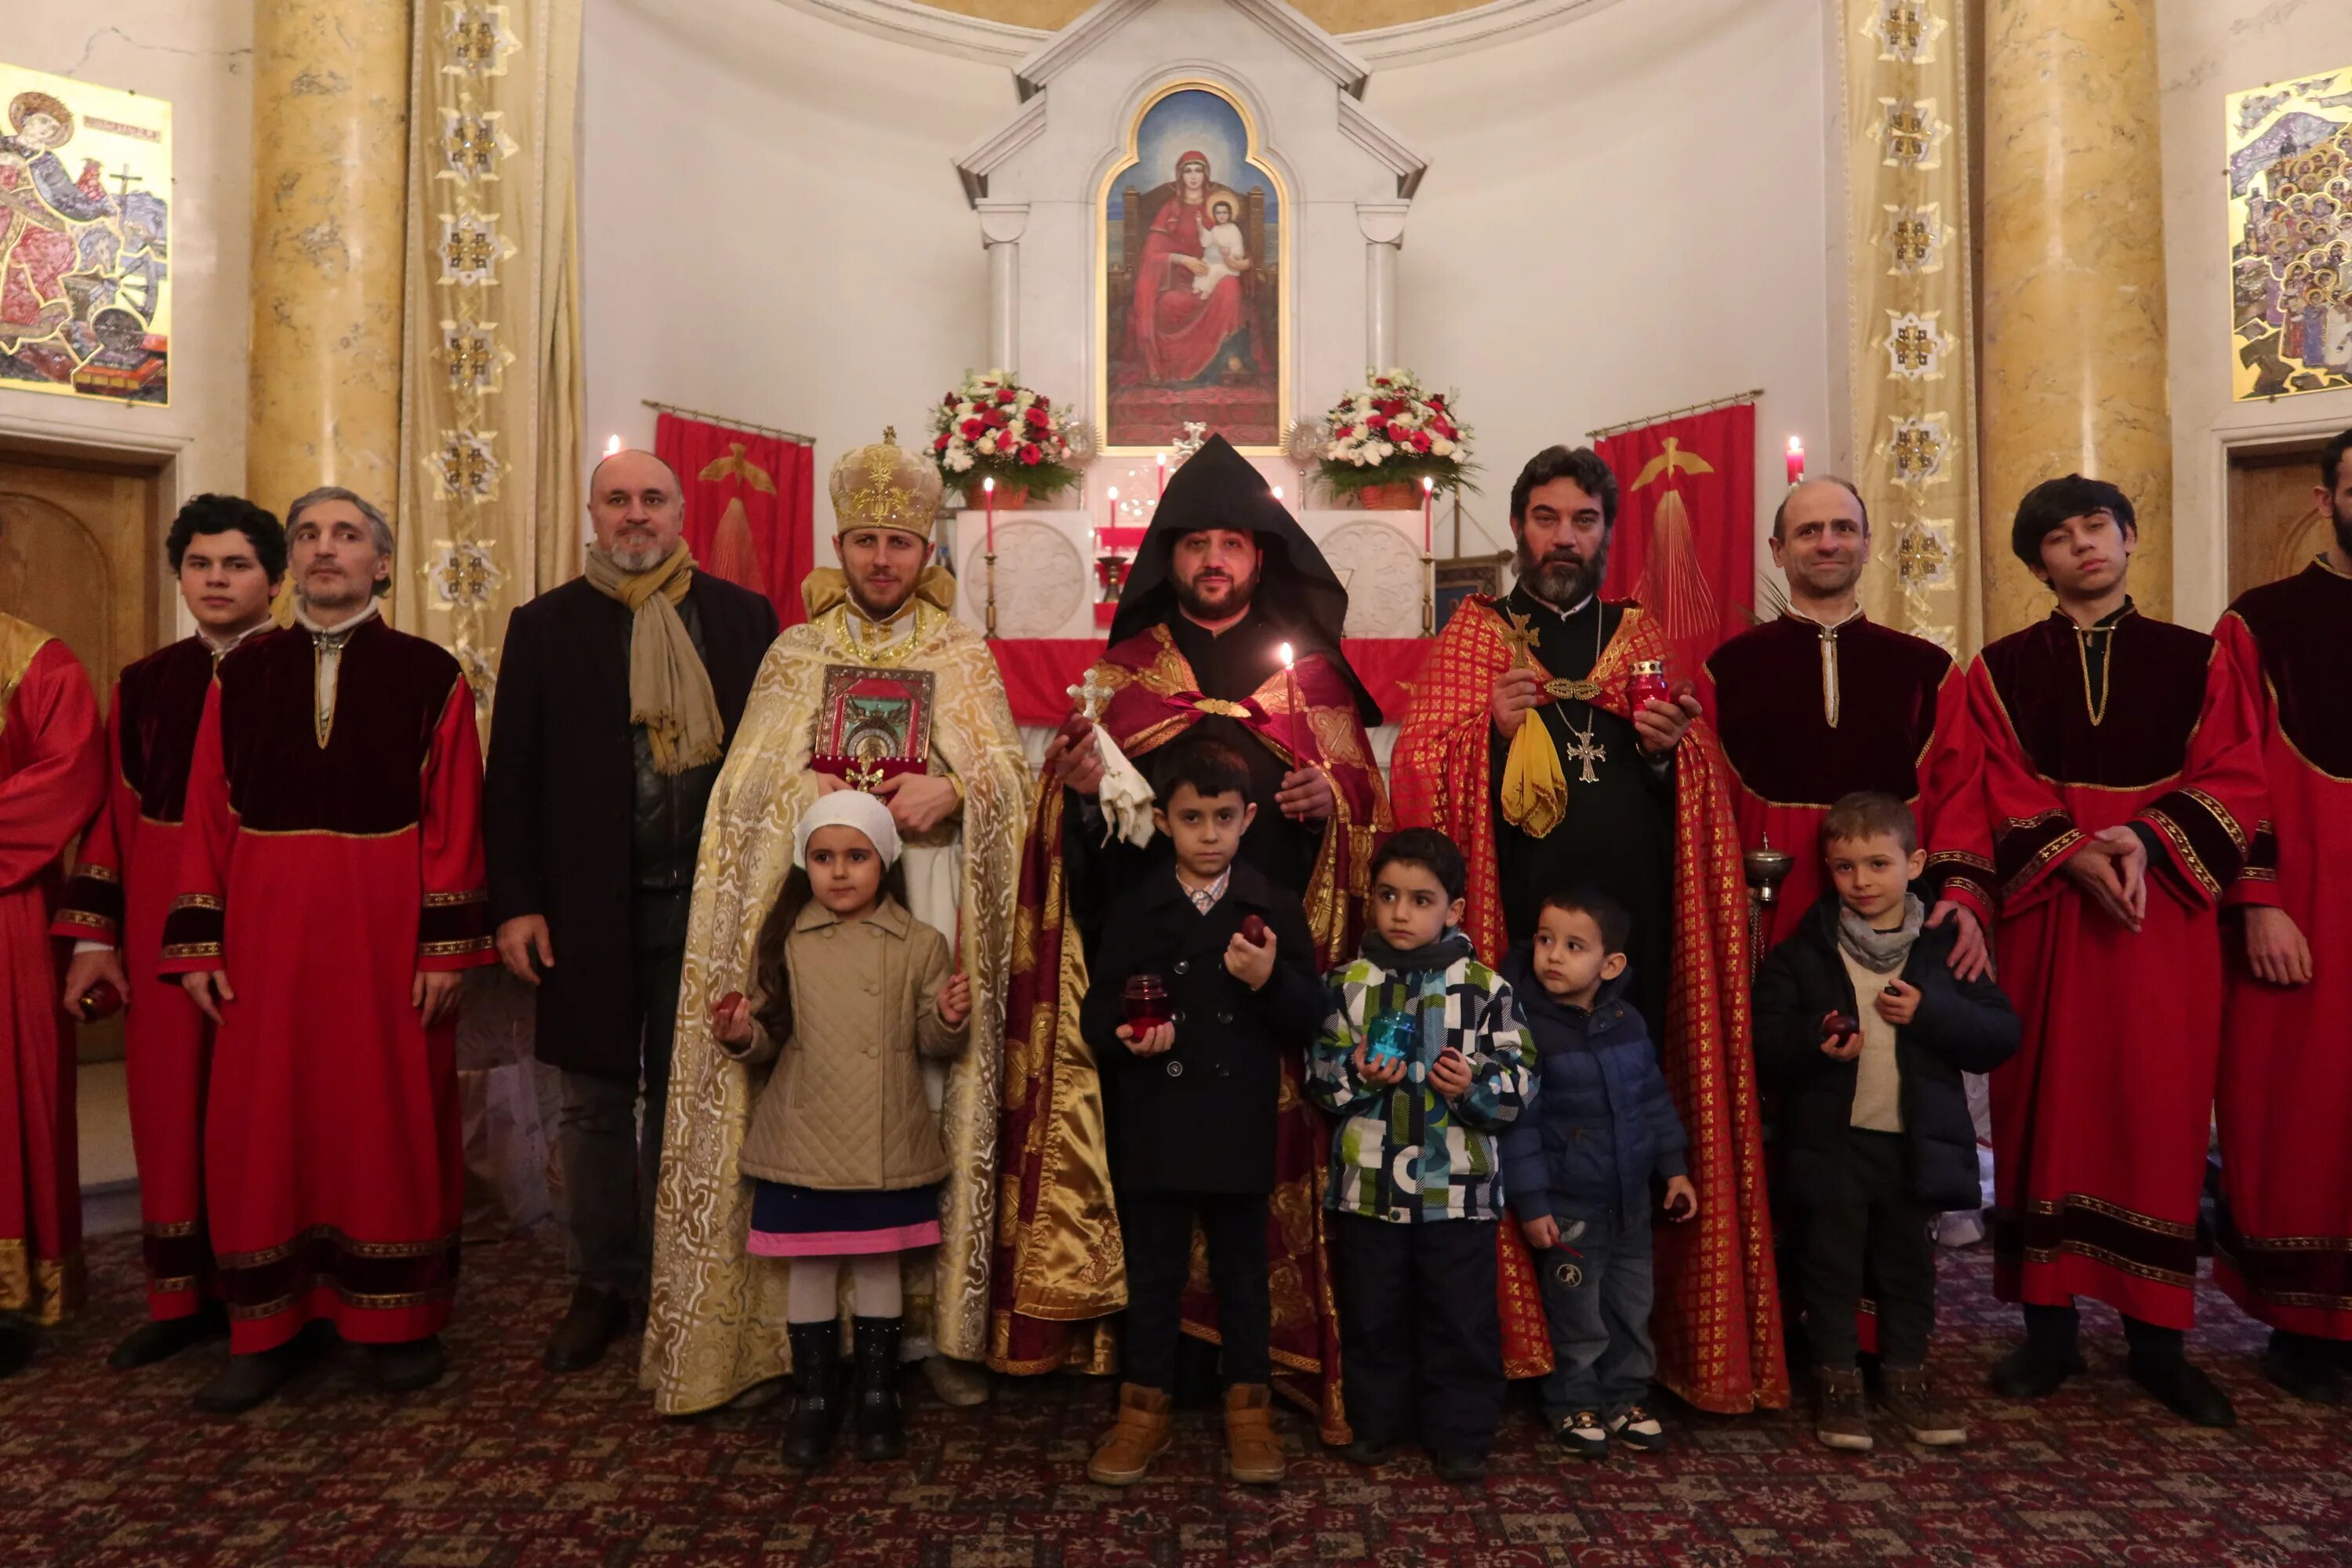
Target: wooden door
81,557
2275,526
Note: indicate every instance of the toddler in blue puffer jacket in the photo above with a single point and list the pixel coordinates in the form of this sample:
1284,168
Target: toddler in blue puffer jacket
1578,1166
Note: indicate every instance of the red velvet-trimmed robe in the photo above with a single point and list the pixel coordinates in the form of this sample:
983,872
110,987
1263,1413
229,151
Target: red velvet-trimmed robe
52,772
326,866
1059,1270
122,884
1717,1322
1807,713
2100,1120
2285,1249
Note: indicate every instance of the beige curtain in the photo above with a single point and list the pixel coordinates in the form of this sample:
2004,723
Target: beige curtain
1911,348
490,387
490,437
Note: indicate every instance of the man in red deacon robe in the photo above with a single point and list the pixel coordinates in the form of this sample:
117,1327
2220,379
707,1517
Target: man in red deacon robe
2123,778
330,890
52,772
1824,701
1524,744
2284,1247
228,555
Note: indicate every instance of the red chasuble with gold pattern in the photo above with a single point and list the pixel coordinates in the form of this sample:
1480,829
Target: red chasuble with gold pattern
2284,1251
52,773
122,888
2100,1120
1717,1322
1059,1271
328,861
1807,712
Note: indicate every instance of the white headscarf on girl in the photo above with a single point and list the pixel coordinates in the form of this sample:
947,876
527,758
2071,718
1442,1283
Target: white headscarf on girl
848,808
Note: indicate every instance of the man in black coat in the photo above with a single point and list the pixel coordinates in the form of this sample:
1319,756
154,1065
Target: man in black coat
617,694
1865,1029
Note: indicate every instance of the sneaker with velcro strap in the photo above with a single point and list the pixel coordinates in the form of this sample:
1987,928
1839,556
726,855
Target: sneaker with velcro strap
1583,1435
1638,1427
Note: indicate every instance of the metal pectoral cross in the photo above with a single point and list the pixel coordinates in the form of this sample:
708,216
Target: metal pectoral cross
1583,750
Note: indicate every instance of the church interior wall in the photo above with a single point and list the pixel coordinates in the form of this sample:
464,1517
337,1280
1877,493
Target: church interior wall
2207,49
194,54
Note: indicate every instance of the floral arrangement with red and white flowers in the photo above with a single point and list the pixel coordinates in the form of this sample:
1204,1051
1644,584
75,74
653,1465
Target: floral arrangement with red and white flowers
990,426
1393,431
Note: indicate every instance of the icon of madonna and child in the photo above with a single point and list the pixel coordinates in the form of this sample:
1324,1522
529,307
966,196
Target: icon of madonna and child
1193,281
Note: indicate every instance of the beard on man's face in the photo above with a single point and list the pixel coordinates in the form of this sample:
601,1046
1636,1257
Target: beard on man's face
1563,578
1214,594
2337,508
881,600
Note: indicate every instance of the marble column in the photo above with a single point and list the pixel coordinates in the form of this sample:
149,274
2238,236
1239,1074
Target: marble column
329,211
2074,359
1002,225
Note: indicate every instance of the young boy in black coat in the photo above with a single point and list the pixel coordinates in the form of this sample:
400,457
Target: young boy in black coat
1191,1103
1861,1024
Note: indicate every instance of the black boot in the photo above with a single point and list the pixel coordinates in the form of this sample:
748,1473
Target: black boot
596,1317
816,1392
248,1380
881,1431
2035,1369
409,1365
167,1337
2305,1366
2158,1360
18,1342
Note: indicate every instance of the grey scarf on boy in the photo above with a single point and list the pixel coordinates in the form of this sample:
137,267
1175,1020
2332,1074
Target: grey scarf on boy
1881,952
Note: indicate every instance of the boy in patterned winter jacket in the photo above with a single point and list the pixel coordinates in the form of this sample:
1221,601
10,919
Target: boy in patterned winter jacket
1423,1059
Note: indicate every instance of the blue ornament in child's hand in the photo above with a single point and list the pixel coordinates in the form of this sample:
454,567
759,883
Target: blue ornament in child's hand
1389,1038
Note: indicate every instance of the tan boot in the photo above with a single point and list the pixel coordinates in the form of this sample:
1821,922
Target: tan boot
1842,1418
1253,1453
1146,1416
1903,1394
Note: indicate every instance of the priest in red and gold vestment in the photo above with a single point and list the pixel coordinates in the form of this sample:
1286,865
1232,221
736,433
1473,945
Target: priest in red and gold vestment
1524,744
228,555
2284,1250
1224,579
52,774
331,888
1825,700
2125,784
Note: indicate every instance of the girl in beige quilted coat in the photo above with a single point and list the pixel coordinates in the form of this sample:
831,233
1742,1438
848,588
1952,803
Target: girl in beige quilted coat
844,1152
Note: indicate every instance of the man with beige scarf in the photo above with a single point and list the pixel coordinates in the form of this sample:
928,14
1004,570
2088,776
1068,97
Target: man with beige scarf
617,694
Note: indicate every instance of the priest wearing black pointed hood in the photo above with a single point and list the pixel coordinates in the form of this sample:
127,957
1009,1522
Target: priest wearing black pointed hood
1224,578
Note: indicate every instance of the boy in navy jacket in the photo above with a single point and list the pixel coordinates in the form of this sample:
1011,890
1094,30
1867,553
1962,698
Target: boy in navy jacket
1578,1166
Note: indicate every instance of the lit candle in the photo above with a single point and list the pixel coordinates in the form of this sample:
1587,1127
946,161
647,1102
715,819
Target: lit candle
1163,478
1290,686
612,445
1277,492
1796,461
988,488
1428,512
1113,523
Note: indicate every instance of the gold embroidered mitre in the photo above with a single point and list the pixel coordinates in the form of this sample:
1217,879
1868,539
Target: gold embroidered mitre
885,486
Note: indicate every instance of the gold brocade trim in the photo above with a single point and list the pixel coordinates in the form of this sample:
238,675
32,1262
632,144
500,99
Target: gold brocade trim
2051,851
195,901
170,1230
450,901
1221,708
191,950
1959,857
2083,1201
319,832
2097,702
342,1243
2049,1255
453,949
2220,815
2190,860
45,1289
83,918
96,873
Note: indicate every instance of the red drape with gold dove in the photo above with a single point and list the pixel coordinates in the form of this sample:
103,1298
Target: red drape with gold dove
1685,537
750,499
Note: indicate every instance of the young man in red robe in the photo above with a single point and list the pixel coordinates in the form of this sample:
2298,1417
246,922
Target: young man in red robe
1824,701
331,888
1525,745
52,774
1226,578
2122,775
228,555
2282,1253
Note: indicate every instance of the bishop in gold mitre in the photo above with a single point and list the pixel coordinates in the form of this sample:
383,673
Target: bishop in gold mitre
716,1323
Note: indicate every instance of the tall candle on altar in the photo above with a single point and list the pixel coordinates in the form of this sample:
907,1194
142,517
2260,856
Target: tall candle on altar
988,488
1796,461
1163,478
1428,514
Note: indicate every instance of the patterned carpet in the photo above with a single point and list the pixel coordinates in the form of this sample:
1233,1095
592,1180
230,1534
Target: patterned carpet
503,1467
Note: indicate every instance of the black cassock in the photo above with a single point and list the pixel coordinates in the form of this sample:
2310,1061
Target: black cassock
1617,837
